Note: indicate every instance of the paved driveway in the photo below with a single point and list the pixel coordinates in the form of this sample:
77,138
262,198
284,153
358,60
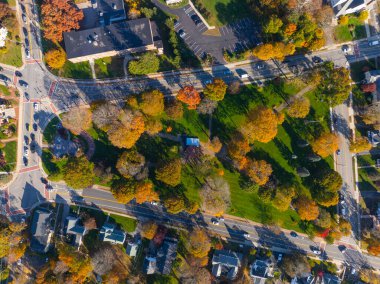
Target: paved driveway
239,36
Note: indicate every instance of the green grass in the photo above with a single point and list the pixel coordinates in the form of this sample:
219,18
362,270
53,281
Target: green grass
225,11
109,67
359,68
50,130
127,224
13,54
343,34
365,181
81,70
11,3
4,90
10,151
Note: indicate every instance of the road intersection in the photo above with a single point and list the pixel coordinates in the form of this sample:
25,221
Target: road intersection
54,95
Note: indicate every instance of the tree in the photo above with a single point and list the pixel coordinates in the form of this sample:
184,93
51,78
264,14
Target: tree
55,58
174,204
207,106
213,145
343,20
363,15
131,164
238,146
147,63
273,25
324,219
369,276
326,144
307,209
79,172
326,198
345,227
148,229
145,192
295,265
283,198
261,125
5,11
371,116
324,15
189,96
216,90
258,171
335,83
234,87
152,103
169,172
329,180
290,29
374,247
77,120
368,88
277,50
153,126
125,132
59,16
361,144
123,191
174,109
105,114
215,195
299,107
198,244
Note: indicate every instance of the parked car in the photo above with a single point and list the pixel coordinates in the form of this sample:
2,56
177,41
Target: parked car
215,222
23,18
294,234
26,140
197,21
25,160
316,251
35,106
260,65
18,74
4,78
373,43
317,60
27,53
246,235
346,48
342,248
23,84
26,151
338,152
181,33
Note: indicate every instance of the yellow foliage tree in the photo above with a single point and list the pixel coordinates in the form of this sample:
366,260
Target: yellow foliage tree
55,58
198,243
326,144
361,144
258,171
277,50
307,208
145,192
149,229
343,20
299,107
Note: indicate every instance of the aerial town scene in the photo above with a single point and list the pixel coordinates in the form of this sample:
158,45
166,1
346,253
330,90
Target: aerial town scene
190,141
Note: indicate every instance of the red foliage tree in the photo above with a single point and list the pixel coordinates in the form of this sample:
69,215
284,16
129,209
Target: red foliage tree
59,16
190,96
368,88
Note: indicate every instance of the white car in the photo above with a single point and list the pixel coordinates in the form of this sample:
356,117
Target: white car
181,33
221,219
316,251
247,236
155,203
215,222
35,105
26,152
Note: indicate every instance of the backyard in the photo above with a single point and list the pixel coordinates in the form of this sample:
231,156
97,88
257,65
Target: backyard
354,30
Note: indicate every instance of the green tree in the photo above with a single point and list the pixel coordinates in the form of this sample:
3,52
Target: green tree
324,219
329,180
216,90
147,63
283,198
152,103
124,190
79,172
131,164
169,172
174,204
273,25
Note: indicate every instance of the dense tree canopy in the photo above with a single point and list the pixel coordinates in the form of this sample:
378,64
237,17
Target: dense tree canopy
105,114
190,96
79,172
326,144
299,107
198,243
329,180
123,191
174,109
152,102
295,265
174,204
55,58
145,192
277,50
77,119
283,198
169,172
215,195
307,208
215,90
147,63
149,229
131,164
238,146
59,16
272,25
258,171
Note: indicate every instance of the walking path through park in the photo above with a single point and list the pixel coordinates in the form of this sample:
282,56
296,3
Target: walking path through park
298,95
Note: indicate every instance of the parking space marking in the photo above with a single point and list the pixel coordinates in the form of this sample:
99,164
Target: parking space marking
200,52
196,48
203,28
188,10
186,38
194,43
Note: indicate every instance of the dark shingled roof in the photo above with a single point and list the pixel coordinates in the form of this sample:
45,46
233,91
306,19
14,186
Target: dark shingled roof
40,229
118,36
110,10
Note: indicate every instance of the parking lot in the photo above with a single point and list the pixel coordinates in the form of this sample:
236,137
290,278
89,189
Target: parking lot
236,37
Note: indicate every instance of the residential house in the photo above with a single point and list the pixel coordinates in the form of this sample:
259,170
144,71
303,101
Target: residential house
260,270
372,76
109,233
161,261
226,264
373,138
117,38
192,142
345,7
132,249
41,230
75,230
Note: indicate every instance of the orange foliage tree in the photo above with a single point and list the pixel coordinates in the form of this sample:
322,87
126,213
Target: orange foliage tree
148,229
277,50
307,208
55,58
190,96
198,243
326,144
145,192
374,247
261,125
290,29
59,16
258,171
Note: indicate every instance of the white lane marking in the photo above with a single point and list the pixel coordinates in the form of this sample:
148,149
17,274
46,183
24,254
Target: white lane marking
194,43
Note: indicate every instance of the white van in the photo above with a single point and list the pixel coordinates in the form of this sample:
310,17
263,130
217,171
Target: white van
374,42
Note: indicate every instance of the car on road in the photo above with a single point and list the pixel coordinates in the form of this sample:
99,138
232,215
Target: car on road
221,219
279,258
346,48
35,106
23,84
338,152
246,235
23,18
27,53
35,127
26,95
197,21
342,248
317,60
215,222
44,180
181,33
316,250
25,160
293,234
26,151
18,74
155,203
260,65
49,187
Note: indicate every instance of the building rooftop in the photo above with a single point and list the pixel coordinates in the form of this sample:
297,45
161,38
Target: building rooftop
41,230
108,233
114,37
166,255
73,227
131,249
192,141
226,263
110,10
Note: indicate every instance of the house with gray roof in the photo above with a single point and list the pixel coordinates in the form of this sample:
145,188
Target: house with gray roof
109,233
109,11
226,264
149,265
75,230
132,249
41,230
260,270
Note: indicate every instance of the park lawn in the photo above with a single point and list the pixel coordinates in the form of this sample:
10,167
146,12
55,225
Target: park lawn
109,67
343,34
10,152
4,90
81,70
127,224
224,12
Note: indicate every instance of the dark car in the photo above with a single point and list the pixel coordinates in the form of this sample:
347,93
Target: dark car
26,95
32,136
4,78
26,139
23,84
294,234
196,19
25,31
342,248
18,74
33,147
317,60
25,160
35,126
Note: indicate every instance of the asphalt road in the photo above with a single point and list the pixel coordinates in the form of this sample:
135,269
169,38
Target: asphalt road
55,95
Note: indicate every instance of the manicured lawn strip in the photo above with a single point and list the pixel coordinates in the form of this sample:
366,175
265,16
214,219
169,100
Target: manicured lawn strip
10,151
81,70
365,182
343,34
109,67
127,224
367,160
